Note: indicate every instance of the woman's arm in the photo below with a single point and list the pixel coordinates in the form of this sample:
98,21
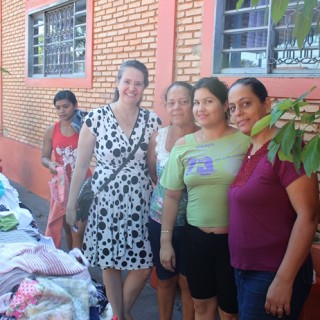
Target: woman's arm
168,219
152,158
304,196
85,149
47,151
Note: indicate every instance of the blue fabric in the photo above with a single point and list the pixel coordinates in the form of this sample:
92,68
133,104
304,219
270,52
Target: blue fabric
78,120
3,208
252,290
2,190
101,295
94,313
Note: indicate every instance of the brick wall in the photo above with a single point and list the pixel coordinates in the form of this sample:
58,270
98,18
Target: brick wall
188,29
122,30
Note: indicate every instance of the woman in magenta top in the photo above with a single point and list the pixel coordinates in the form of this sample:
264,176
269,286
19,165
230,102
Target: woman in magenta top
274,211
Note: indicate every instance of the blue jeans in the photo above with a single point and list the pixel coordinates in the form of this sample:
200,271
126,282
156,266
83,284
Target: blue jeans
252,290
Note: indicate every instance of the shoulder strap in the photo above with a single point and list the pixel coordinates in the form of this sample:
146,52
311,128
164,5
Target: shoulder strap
130,156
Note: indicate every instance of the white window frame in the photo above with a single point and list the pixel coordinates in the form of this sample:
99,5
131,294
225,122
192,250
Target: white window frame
67,61
287,59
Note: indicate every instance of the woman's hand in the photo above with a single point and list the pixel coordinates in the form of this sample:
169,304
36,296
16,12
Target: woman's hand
168,257
278,298
304,197
52,165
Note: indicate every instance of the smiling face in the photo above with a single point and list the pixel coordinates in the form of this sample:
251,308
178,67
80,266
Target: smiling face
246,108
131,86
208,110
65,109
179,106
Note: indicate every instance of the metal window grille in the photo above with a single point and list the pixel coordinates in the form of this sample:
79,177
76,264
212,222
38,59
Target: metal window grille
251,43
59,41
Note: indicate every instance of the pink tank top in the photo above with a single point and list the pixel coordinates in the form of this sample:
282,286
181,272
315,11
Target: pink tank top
65,149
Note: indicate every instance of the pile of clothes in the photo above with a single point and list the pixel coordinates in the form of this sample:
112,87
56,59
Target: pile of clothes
37,280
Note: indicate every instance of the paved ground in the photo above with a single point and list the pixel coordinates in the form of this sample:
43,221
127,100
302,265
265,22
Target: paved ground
146,306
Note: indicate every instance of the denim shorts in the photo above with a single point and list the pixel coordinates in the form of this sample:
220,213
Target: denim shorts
252,291
178,246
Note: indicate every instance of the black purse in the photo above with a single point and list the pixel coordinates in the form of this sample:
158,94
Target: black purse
84,200
86,195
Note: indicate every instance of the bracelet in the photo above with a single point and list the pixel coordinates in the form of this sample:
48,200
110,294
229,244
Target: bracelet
165,231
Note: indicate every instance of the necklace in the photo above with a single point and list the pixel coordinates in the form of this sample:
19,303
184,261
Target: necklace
259,151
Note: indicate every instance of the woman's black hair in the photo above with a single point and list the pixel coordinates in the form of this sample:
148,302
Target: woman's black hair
65,95
131,64
215,86
256,86
184,84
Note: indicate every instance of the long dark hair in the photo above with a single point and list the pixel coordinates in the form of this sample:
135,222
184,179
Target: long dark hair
131,64
65,95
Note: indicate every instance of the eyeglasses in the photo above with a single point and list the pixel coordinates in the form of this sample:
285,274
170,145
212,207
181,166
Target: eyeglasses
181,103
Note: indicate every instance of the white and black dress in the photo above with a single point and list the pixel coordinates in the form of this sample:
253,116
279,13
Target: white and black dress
116,235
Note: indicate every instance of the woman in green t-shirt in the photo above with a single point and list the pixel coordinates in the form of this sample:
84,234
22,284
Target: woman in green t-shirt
206,162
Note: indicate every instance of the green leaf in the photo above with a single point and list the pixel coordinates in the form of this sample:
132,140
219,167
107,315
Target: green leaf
282,105
308,118
296,152
303,96
273,148
254,3
279,109
289,137
261,124
303,22
284,157
278,137
278,9
239,4
296,105
301,28
276,116
311,155
296,109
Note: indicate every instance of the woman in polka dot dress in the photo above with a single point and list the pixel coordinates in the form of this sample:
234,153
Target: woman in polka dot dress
116,236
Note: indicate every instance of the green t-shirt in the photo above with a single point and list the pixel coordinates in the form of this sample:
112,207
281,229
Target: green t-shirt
207,169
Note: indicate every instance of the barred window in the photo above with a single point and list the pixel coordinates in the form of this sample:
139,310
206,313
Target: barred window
58,44
247,41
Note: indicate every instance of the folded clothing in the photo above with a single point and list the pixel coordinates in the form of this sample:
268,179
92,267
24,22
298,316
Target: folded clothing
8,222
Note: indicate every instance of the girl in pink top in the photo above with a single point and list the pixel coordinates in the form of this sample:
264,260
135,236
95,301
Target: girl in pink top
61,140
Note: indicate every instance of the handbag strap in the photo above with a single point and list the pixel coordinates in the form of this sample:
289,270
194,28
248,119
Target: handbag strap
130,156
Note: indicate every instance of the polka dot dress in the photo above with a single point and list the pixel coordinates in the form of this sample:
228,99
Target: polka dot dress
116,235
